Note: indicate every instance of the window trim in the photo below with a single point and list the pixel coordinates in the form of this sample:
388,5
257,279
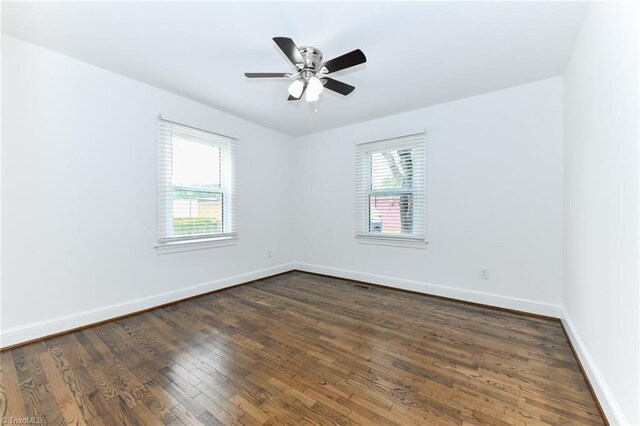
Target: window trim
380,240
199,244
203,241
390,240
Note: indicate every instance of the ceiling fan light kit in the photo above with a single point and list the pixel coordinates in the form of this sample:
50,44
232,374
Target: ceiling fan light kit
311,73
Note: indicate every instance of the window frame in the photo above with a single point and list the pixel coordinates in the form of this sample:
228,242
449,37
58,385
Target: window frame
228,162
396,240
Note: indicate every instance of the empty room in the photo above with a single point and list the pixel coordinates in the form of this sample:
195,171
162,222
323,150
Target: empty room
320,213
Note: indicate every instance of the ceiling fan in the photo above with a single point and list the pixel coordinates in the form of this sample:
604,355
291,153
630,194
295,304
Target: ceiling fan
311,72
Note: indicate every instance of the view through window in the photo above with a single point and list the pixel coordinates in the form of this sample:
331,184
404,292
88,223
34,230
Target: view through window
198,199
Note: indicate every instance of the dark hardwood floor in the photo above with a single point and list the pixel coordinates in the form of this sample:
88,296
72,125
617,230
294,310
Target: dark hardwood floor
303,349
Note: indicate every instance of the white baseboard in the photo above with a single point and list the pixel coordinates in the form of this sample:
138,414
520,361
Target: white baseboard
524,305
611,409
14,336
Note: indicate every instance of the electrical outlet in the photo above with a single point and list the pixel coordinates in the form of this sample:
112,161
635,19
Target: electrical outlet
484,273
269,254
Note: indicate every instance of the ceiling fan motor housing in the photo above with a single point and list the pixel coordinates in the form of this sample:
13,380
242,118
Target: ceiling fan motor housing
313,59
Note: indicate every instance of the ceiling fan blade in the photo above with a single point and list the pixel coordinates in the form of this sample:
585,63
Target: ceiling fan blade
290,49
267,74
293,98
348,60
337,86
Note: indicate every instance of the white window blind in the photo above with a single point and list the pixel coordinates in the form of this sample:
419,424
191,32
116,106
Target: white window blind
391,188
196,184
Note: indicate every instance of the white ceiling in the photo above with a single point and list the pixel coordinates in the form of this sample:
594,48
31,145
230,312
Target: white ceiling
419,53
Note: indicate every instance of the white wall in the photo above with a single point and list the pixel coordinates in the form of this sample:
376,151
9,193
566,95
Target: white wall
494,199
79,196
601,210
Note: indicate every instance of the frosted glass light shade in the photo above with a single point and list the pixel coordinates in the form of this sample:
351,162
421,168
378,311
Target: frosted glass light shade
296,88
315,85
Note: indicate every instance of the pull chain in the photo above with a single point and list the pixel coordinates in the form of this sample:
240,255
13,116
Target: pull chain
315,107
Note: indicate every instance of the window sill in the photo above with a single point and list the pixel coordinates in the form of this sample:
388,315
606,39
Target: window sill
392,242
180,246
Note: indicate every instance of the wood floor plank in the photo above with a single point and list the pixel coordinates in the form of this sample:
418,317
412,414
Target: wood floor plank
11,401
303,349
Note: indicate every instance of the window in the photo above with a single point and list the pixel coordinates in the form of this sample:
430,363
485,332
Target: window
391,189
196,182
